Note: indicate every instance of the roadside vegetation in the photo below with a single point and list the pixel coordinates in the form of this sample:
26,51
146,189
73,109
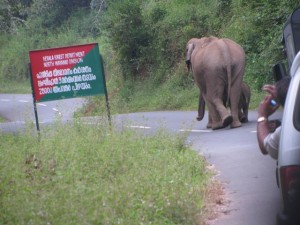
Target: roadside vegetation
142,43
76,174
82,174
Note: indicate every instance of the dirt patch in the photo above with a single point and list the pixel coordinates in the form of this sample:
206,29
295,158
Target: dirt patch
216,200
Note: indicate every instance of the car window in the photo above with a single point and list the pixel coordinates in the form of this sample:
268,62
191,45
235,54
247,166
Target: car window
290,49
296,116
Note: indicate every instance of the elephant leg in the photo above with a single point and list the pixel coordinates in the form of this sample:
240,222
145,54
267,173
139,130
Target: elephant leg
201,107
215,119
245,113
209,124
241,112
215,96
244,119
224,114
242,116
218,101
246,96
234,104
201,110
236,121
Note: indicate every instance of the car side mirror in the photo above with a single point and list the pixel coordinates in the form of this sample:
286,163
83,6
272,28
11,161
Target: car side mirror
279,71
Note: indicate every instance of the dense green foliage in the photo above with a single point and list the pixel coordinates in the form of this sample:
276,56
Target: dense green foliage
101,177
152,35
107,177
143,42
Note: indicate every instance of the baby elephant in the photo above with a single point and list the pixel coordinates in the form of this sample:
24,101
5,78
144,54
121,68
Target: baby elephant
243,102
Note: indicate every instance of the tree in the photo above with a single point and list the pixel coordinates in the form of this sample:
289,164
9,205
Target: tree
52,13
13,13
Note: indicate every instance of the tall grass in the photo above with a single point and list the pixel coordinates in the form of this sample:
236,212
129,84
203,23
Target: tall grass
9,86
78,174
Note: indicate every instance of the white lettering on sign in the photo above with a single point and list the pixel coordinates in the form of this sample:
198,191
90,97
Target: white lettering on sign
63,88
59,57
48,58
61,62
64,73
43,74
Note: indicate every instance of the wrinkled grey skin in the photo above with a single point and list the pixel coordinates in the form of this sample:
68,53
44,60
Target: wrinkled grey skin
218,65
243,104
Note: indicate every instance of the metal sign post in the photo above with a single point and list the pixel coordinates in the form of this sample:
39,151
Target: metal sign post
34,102
105,92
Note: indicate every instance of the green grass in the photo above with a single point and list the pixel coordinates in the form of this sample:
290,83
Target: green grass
13,87
79,174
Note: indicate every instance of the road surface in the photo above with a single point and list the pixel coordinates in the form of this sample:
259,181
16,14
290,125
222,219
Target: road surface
247,175
18,111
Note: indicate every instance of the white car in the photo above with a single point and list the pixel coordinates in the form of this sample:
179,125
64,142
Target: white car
288,169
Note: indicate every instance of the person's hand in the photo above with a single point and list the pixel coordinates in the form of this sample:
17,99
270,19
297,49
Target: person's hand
271,89
265,108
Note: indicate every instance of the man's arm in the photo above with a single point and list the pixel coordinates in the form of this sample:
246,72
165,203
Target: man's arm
262,132
265,109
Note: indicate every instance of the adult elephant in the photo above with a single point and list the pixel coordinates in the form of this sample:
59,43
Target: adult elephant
218,65
243,104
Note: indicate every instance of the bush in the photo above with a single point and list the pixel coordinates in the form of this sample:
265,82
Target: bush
146,39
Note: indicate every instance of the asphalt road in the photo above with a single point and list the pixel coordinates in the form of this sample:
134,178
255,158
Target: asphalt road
247,175
18,110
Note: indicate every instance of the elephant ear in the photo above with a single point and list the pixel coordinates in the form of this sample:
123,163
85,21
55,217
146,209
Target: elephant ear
189,50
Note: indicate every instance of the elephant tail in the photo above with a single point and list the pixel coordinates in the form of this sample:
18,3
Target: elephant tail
229,76
227,62
201,107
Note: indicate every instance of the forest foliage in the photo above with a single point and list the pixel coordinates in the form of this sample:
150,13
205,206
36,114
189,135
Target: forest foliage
142,40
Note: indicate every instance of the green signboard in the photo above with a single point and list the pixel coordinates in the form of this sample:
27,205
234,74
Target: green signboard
67,72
